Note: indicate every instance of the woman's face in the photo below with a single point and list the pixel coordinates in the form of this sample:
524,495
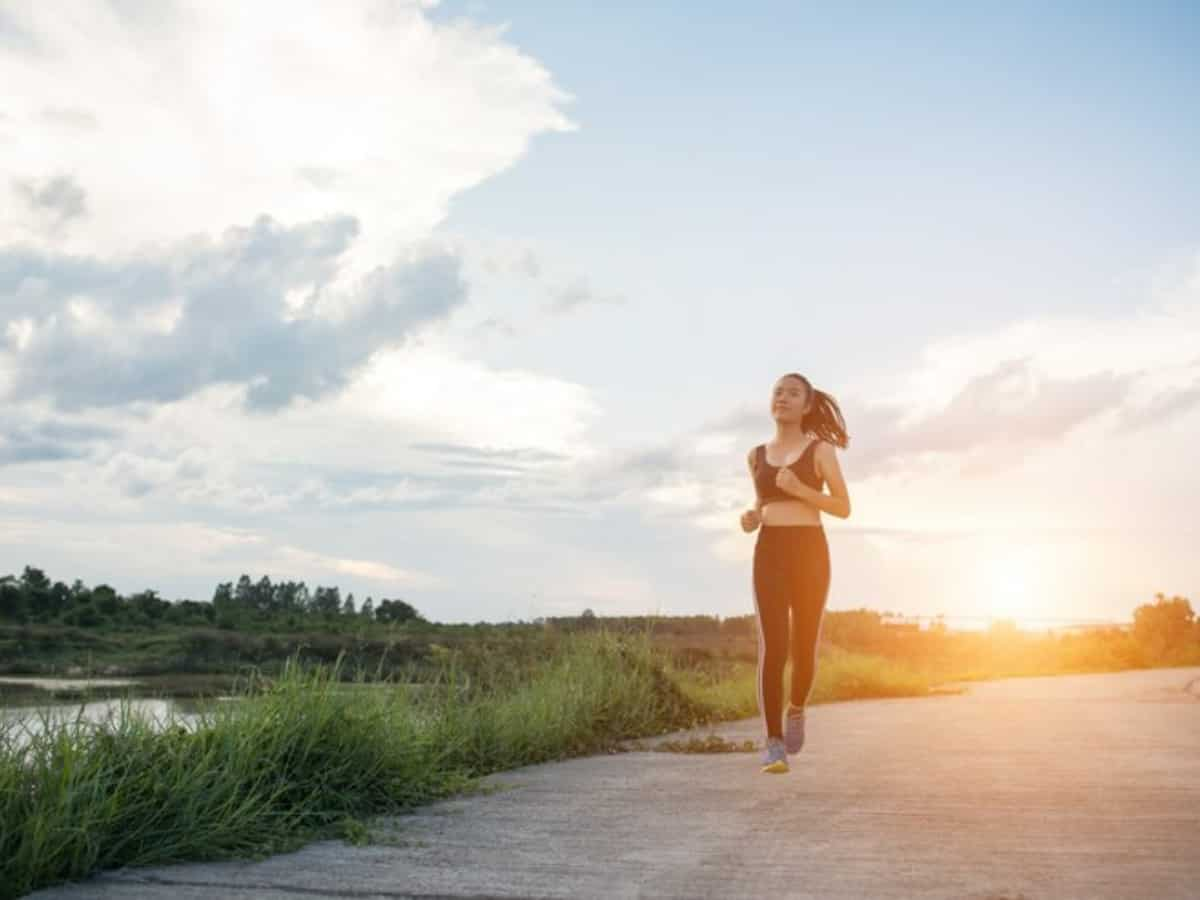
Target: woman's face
789,399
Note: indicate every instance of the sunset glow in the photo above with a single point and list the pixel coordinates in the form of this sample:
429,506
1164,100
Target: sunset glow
1012,584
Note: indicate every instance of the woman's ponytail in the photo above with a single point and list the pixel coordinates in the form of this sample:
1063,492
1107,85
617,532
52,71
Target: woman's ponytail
824,419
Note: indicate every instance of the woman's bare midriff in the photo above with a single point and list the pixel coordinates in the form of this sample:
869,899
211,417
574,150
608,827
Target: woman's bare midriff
790,512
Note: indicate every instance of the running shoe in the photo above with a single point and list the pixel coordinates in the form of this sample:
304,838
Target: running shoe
775,759
794,730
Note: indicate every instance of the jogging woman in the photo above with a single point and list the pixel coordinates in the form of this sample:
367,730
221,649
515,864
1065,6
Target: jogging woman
791,555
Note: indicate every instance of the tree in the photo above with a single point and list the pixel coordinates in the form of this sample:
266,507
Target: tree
289,597
34,579
149,604
60,599
84,615
106,600
327,601
348,606
36,589
190,612
1164,626
12,599
264,596
243,594
395,611
225,606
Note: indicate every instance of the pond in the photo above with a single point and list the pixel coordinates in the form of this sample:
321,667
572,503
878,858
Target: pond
29,704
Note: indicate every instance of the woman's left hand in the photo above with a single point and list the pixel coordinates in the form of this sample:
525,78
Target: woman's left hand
788,481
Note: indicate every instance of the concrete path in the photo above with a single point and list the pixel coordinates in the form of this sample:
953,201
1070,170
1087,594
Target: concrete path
1082,786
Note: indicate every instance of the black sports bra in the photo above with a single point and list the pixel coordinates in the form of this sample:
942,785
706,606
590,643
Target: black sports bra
764,474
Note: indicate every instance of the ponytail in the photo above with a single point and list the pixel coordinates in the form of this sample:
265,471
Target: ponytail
824,419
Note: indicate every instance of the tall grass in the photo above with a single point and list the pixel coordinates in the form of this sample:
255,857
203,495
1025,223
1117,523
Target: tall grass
304,755
731,691
310,754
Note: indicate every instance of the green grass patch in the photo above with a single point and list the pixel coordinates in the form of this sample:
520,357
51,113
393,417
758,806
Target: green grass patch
729,690
305,755
309,754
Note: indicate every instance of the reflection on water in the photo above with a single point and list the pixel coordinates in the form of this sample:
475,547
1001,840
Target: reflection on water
94,712
63,684
28,706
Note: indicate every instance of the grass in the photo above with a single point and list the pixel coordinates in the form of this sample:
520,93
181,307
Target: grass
308,754
712,743
729,691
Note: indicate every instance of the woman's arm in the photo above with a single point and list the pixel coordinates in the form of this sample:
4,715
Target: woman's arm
758,504
837,501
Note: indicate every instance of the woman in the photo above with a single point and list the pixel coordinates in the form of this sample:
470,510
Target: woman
791,555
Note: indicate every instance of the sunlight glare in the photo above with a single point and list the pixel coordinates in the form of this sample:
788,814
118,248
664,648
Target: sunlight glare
1012,584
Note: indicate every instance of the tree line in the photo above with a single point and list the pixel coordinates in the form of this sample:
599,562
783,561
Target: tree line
33,598
1167,628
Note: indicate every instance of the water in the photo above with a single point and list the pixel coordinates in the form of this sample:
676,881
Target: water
29,705
64,684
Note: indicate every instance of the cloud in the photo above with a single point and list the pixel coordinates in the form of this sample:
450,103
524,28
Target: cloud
14,37
48,440
136,475
1011,409
213,553
500,256
989,424
70,117
1160,409
420,428
372,570
463,401
576,294
320,177
487,456
87,333
493,325
53,202
299,112
529,265
25,450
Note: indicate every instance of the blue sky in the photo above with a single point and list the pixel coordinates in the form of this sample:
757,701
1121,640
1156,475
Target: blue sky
480,304
935,174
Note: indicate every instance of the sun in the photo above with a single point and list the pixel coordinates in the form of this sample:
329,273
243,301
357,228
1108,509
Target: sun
1012,584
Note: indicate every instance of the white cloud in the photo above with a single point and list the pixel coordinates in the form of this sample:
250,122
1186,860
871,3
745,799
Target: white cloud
215,553
160,327
422,427
360,568
469,402
1157,341
201,114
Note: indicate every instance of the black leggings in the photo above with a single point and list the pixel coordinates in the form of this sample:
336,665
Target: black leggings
791,572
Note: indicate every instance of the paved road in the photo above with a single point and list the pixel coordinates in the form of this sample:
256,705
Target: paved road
1083,786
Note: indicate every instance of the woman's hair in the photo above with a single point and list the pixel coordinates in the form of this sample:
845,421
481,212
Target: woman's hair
825,418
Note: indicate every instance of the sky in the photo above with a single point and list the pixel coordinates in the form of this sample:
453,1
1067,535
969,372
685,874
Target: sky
480,304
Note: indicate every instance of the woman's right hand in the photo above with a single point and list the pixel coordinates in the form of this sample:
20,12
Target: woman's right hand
751,520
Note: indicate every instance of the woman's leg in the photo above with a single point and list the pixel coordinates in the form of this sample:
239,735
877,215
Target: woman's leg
810,590
771,597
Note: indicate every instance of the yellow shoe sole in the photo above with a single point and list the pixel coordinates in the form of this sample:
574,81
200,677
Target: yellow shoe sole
775,768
